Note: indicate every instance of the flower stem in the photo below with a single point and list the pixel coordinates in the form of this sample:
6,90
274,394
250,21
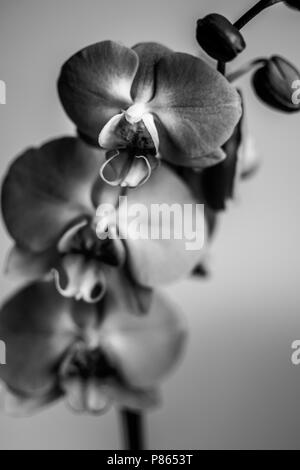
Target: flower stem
132,423
245,69
123,191
246,18
254,11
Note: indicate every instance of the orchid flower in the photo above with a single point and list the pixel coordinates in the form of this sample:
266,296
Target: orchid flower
146,104
93,355
50,202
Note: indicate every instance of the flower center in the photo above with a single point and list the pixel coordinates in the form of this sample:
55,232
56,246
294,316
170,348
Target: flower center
83,376
89,363
136,112
132,141
85,242
136,137
84,259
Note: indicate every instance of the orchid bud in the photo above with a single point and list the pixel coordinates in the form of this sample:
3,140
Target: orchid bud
274,84
219,38
293,4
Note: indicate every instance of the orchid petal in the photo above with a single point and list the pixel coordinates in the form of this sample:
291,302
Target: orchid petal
27,265
41,329
195,107
125,294
75,394
149,54
94,85
194,116
144,348
49,187
94,397
135,399
108,139
207,161
97,400
85,396
154,261
22,406
37,328
122,170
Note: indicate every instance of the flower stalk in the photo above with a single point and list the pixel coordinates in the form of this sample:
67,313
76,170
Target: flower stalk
246,18
248,67
254,11
132,424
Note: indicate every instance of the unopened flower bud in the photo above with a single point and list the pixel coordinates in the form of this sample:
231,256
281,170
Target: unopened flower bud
293,4
219,38
274,84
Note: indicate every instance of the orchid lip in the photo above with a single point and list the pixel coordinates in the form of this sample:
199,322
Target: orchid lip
132,175
145,178
83,375
107,404
88,286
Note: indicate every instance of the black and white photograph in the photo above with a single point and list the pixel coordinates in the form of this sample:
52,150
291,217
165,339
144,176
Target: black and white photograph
149,228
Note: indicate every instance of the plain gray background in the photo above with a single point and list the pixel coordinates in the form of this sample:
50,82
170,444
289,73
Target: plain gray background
236,387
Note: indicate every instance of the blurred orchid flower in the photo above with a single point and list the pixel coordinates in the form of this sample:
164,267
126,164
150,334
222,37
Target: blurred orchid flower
148,103
94,355
50,202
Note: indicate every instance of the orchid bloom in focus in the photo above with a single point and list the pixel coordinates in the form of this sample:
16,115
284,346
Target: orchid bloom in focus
93,355
146,104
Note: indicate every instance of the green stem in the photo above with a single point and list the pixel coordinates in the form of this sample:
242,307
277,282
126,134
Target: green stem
246,18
